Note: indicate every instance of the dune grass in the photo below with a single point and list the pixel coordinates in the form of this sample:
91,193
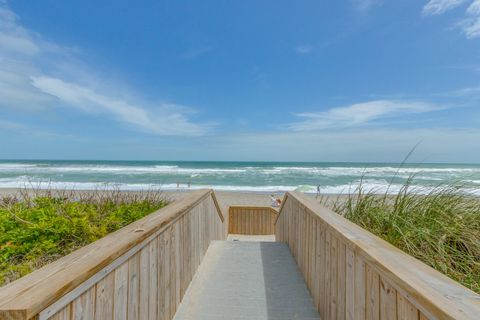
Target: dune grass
38,227
441,228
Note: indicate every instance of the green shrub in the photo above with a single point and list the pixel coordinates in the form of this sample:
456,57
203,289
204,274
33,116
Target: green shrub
38,227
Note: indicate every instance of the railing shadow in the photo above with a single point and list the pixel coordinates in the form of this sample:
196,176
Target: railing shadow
287,295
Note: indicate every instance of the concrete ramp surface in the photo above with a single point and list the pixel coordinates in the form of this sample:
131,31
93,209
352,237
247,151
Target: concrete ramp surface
247,280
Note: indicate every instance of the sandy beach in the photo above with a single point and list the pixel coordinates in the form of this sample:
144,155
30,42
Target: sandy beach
225,198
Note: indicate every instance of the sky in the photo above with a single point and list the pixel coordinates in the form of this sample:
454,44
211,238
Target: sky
347,80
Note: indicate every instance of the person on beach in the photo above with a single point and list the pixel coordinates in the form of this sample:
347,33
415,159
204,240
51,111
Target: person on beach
189,184
279,202
318,191
273,201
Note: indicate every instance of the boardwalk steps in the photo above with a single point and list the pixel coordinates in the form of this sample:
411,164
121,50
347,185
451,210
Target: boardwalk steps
174,263
247,280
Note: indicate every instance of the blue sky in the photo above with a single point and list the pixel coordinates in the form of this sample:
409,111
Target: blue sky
352,80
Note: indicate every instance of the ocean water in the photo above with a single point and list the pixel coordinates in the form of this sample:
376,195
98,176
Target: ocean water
332,178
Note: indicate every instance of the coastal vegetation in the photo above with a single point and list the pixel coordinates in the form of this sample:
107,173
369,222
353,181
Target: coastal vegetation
441,228
38,227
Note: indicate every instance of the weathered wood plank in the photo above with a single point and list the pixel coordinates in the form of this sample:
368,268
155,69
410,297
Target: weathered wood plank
64,314
341,280
104,297
350,284
405,309
120,295
83,307
388,298
251,220
144,283
152,280
133,287
373,293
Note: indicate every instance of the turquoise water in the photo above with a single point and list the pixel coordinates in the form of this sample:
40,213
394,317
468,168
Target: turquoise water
332,177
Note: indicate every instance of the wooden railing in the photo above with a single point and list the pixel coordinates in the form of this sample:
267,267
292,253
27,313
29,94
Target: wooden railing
138,272
353,274
251,220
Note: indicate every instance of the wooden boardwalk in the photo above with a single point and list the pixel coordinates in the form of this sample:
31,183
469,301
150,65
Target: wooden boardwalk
181,262
247,280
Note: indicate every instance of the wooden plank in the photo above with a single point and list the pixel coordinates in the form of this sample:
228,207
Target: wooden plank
169,262
182,258
350,284
177,245
64,314
405,309
162,315
104,298
360,288
333,277
341,280
373,294
321,269
152,280
133,287
144,283
307,275
83,307
328,277
120,295
388,298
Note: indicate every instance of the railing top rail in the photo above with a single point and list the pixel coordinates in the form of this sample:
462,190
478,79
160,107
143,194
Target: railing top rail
29,295
249,207
424,284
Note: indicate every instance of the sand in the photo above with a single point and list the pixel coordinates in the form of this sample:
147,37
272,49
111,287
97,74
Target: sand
225,198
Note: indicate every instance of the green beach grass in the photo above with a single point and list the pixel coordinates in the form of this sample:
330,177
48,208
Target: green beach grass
442,228
38,227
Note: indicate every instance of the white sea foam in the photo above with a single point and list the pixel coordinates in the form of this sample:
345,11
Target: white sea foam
434,174
376,186
115,169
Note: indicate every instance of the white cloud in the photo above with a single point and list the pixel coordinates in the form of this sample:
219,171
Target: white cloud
304,49
193,53
470,24
434,7
365,5
356,144
36,74
359,114
163,121
471,27
13,126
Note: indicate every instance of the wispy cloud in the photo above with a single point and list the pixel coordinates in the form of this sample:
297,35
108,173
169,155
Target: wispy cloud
434,7
470,23
13,126
365,5
304,49
36,74
166,119
196,52
359,114
469,91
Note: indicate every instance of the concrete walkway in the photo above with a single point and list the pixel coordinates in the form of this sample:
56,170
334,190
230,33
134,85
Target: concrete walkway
247,280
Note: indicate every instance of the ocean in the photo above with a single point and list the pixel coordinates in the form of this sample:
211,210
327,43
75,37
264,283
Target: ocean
332,177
